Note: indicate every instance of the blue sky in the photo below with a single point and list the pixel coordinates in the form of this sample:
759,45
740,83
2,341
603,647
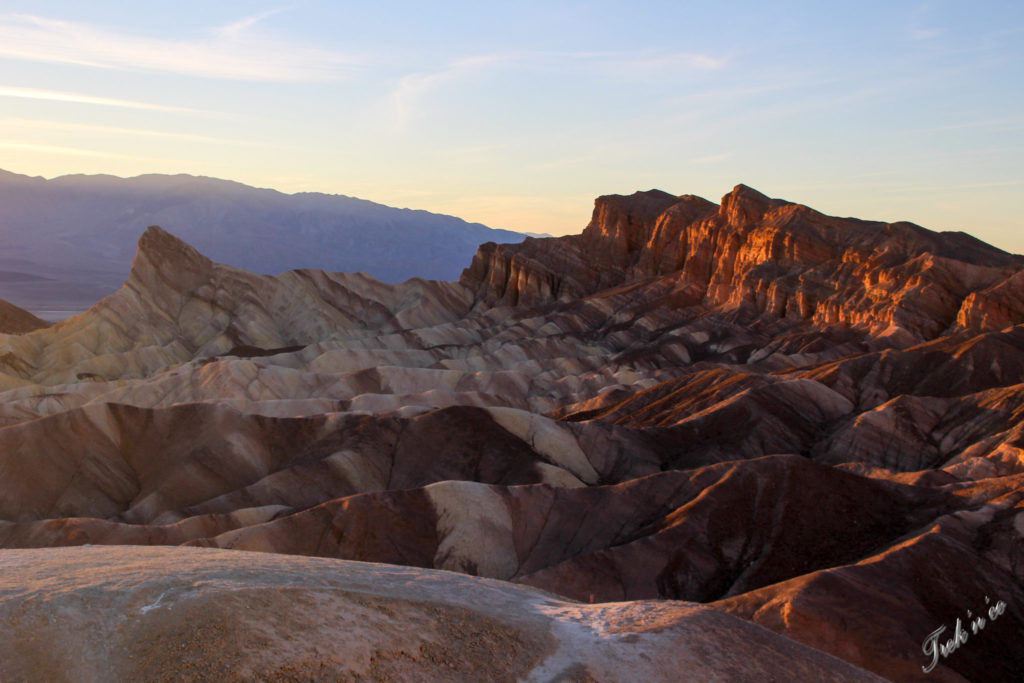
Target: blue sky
518,114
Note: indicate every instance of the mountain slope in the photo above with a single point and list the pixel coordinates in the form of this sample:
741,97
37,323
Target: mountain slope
14,320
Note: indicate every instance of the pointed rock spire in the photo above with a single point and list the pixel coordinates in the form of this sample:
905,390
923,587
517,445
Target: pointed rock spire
163,259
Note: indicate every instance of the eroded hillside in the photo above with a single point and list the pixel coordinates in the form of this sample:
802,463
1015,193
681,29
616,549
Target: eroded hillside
808,422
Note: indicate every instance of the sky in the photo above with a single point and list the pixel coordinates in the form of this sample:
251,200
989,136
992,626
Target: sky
517,115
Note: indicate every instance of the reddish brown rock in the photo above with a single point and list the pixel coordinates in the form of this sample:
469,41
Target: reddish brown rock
142,465
996,307
766,257
880,612
689,535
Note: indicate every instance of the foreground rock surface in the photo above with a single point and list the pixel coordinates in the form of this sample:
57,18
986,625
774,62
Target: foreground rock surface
162,614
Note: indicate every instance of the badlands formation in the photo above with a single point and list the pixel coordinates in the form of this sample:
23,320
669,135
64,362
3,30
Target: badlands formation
736,441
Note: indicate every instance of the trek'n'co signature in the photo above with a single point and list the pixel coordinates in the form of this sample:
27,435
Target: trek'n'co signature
933,648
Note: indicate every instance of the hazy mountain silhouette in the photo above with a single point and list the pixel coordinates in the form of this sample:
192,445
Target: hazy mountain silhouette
69,241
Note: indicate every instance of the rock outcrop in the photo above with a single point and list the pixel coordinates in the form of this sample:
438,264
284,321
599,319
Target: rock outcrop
764,257
178,305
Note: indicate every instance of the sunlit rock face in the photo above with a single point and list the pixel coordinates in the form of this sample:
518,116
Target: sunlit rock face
809,423
762,257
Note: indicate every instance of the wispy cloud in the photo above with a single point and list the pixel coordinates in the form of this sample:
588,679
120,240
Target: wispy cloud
81,98
568,162
412,89
953,188
65,151
921,27
712,158
660,64
235,51
739,92
926,33
1009,123
236,28
37,125
478,154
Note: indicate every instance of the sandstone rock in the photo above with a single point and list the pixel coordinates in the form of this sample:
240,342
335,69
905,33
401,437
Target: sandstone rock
766,257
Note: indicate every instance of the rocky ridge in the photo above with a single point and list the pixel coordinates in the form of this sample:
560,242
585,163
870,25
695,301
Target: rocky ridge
761,257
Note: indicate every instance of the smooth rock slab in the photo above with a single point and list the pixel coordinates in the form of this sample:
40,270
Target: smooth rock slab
143,613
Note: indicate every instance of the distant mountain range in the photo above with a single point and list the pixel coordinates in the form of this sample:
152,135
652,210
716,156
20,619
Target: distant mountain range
69,241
